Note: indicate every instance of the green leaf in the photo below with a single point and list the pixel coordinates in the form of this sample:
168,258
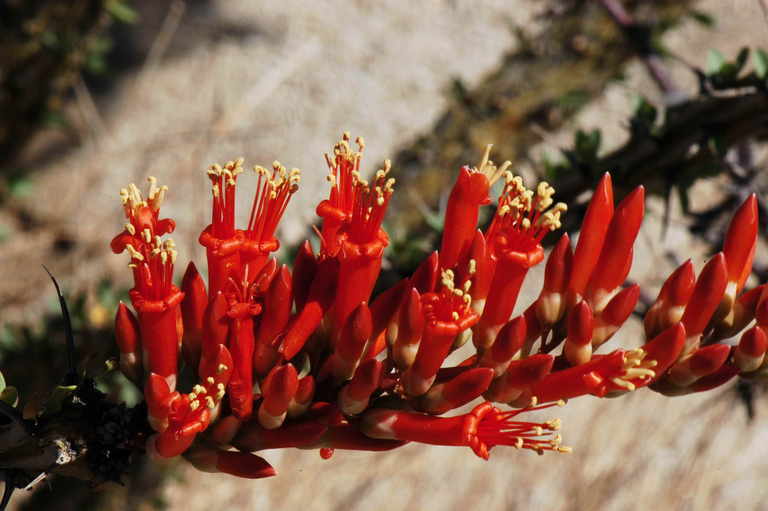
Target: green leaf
741,58
2,382
587,144
20,187
61,392
10,395
715,62
760,61
95,64
644,113
702,18
121,12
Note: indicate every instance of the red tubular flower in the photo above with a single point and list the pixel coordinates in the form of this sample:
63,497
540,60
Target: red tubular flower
351,344
673,297
592,236
236,463
514,385
319,301
615,313
484,266
193,313
220,239
405,333
355,397
703,362
448,314
304,434
482,429
742,313
714,380
599,376
739,250
467,195
740,243
550,307
344,168
506,347
154,297
665,349
242,345
178,418
427,275
274,320
616,253
273,191
129,343
460,390
578,343
304,271
302,400
706,297
278,389
216,330
514,239
750,352
386,305
361,243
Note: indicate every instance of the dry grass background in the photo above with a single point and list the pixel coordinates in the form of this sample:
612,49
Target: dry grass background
281,80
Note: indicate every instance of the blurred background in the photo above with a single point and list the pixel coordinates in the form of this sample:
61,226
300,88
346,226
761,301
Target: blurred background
95,94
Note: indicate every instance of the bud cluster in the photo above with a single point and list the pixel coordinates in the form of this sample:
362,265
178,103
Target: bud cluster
307,357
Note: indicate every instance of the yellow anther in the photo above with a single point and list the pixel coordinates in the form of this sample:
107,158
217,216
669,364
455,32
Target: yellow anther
194,405
210,402
455,316
210,380
192,396
487,167
623,384
639,372
130,229
199,389
135,254
221,368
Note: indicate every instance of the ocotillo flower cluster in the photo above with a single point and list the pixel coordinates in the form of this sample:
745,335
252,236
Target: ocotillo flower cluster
308,358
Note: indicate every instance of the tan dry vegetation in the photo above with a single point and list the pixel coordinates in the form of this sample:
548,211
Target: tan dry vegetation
308,71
